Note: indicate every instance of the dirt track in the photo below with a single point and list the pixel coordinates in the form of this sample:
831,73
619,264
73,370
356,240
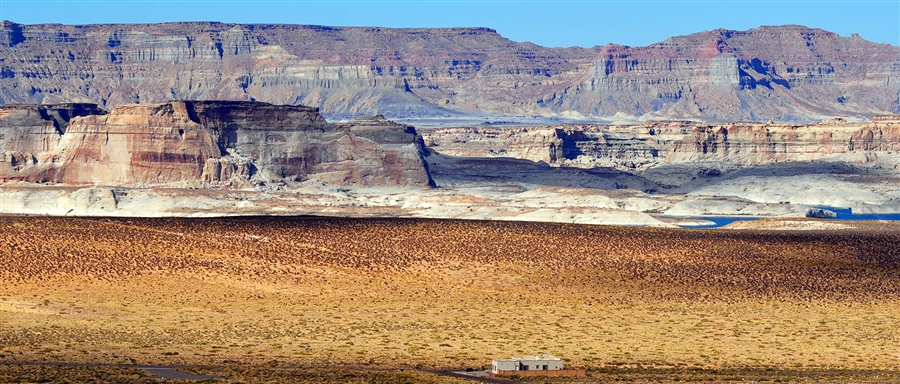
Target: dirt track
155,371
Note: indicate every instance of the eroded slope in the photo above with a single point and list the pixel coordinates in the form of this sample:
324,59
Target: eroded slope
190,144
785,72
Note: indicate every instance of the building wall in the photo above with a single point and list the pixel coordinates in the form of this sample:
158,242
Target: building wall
538,365
561,372
516,364
498,366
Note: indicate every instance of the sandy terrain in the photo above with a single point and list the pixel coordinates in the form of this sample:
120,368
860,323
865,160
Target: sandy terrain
504,199
382,293
495,202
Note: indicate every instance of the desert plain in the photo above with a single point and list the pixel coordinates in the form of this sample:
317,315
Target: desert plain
163,189
307,299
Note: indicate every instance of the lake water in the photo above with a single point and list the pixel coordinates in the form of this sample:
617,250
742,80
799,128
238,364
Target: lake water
847,214
719,221
842,214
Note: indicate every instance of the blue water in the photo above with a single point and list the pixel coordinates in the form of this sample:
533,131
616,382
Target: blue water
719,221
842,214
847,214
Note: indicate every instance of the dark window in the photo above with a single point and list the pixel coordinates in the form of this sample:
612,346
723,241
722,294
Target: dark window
545,367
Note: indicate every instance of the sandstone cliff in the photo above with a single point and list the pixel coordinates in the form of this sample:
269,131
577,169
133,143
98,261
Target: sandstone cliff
788,73
212,143
683,150
782,73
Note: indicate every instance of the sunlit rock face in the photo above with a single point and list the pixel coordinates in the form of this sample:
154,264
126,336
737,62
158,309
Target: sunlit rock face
206,143
785,73
702,150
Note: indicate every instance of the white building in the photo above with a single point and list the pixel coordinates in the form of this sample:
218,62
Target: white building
541,362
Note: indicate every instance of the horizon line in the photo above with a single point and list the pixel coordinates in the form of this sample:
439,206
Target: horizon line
494,30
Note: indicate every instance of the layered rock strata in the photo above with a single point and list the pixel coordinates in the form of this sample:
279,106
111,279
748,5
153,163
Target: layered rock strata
787,73
650,146
185,143
784,73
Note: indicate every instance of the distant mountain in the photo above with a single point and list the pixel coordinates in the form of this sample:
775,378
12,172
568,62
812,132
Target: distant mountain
786,73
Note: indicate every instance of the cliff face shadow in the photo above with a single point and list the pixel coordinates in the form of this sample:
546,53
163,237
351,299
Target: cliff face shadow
687,178
453,171
664,179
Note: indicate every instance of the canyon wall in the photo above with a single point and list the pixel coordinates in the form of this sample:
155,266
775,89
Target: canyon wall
205,143
704,149
786,73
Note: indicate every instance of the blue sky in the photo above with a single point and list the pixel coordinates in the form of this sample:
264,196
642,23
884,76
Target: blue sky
558,23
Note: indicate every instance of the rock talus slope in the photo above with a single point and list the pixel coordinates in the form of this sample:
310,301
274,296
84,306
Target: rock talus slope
686,168
641,147
672,154
184,143
783,73
788,72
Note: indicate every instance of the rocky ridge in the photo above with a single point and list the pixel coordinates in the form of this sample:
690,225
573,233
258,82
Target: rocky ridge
678,168
213,158
703,150
204,144
786,73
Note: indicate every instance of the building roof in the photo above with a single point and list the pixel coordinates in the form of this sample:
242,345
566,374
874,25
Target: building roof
542,356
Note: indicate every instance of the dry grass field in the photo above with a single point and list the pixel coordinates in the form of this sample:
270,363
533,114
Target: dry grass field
318,299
